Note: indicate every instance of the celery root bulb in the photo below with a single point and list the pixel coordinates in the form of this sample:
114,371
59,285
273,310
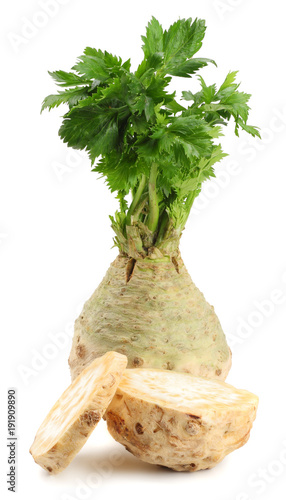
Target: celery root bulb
179,421
154,314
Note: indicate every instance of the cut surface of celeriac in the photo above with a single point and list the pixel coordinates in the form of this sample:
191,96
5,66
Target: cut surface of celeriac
178,420
77,412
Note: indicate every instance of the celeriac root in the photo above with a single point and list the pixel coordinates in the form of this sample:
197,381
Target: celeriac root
77,412
179,421
154,314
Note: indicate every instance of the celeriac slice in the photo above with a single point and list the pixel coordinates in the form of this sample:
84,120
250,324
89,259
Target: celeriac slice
178,420
77,412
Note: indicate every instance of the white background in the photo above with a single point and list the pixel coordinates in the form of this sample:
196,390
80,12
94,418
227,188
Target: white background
55,240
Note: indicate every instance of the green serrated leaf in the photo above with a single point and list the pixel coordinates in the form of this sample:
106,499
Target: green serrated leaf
149,108
95,64
69,96
65,79
174,106
182,40
188,95
254,131
229,80
188,68
153,41
91,128
215,132
146,143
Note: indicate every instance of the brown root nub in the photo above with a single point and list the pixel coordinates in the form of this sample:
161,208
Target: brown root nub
80,350
138,362
90,417
168,365
129,269
139,428
118,424
176,265
194,416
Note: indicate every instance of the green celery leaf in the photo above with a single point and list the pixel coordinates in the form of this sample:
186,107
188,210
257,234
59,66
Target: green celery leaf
70,96
132,123
149,108
174,106
193,135
216,156
97,64
189,67
188,95
156,89
208,92
216,107
254,131
65,79
91,128
120,169
198,97
229,80
182,40
238,103
153,41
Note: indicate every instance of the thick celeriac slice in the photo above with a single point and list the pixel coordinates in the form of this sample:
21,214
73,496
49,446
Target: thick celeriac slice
77,412
177,420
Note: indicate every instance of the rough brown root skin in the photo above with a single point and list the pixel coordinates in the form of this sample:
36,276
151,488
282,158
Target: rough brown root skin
156,316
180,431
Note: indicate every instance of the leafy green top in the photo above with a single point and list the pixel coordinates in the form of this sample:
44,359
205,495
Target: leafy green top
148,143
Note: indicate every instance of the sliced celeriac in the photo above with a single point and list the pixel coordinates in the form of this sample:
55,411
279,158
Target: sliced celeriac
77,412
178,420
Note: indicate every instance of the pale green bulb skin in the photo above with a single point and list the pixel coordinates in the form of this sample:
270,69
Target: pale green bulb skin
158,319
